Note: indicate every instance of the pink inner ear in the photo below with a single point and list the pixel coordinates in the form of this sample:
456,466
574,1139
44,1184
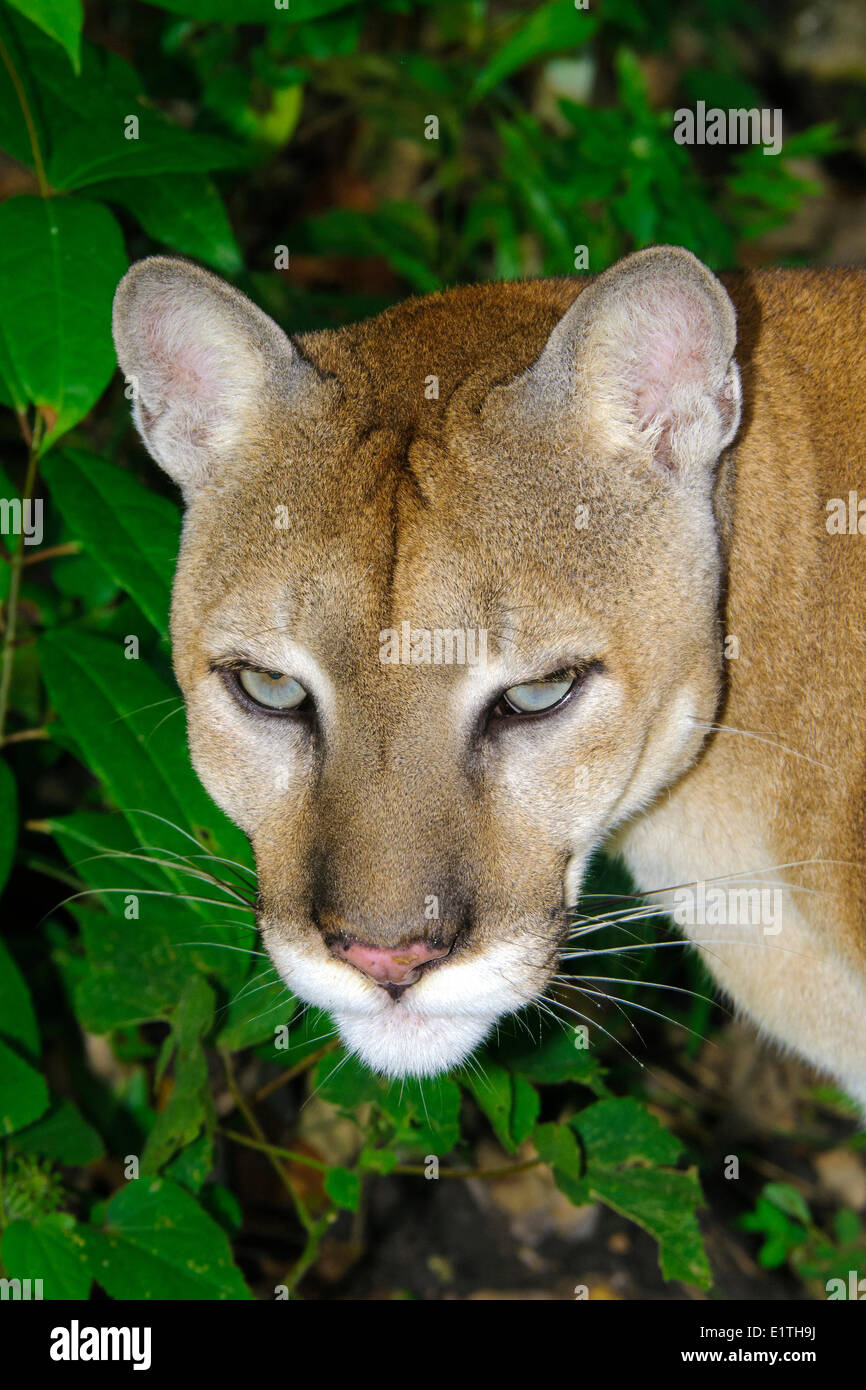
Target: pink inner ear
671,348
187,370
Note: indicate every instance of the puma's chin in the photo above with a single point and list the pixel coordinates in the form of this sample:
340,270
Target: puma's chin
402,1041
433,1025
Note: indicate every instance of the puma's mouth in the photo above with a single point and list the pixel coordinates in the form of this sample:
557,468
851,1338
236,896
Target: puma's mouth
410,1027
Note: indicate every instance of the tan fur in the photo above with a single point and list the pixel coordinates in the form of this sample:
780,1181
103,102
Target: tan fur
330,499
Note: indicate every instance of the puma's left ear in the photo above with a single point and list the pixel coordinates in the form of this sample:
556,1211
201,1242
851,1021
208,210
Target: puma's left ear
204,364
644,356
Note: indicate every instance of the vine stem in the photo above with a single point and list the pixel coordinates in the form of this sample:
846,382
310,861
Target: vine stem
16,564
273,1153
406,1169
20,93
299,1067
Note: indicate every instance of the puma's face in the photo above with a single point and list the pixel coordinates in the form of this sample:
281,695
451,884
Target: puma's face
433,649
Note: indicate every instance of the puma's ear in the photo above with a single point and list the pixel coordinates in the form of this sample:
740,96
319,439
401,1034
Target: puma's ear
644,356
202,362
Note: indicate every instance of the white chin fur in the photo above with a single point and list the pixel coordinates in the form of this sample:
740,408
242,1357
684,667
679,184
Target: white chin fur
434,1026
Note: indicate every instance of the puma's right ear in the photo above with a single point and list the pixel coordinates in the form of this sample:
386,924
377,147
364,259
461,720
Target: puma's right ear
643,363
202,362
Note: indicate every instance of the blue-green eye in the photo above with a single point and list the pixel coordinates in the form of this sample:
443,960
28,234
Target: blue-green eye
271,689
537,697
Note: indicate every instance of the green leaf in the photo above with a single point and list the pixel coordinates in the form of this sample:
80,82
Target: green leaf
558,1147
23,1092
342,1079
8,817
52,1249
625,1149
189,1106
262,1005
788,1200
136,968
18,1023
624,1131
62,1134
60,20
222,1204
157,1242
343,1188
192,1166
524,1110
553,1059
426,1112
493,1089
184,211
132,532
115,709
552,28
55,330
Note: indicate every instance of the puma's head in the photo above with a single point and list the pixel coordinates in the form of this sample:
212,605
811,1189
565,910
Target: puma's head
446,611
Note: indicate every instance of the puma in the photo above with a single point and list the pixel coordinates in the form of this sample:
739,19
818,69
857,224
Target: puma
661,613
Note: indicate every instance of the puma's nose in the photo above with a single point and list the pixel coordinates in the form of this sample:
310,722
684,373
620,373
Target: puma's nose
389,965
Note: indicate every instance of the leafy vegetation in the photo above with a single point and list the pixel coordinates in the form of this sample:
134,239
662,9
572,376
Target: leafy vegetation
134,1013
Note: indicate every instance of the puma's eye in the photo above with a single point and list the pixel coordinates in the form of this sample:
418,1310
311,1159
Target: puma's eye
537,697
271,689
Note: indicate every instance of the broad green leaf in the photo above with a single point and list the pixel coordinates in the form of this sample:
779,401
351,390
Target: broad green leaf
493,1088
342,1079
624,1131
62,1134
138,965
554,1058
263,1004
557,1146
133,533
157,1242
60,20
510,1103
222,1204
189,1106
104,127
789,1200
183,211
55,328
101,125
627,1156
51,1249
343,1188
191,1167
23,1092
115,709
8,814
426,1111
18,1022
373,1160
524,1109
552,28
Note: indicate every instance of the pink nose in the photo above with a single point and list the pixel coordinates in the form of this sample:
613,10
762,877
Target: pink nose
389,965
